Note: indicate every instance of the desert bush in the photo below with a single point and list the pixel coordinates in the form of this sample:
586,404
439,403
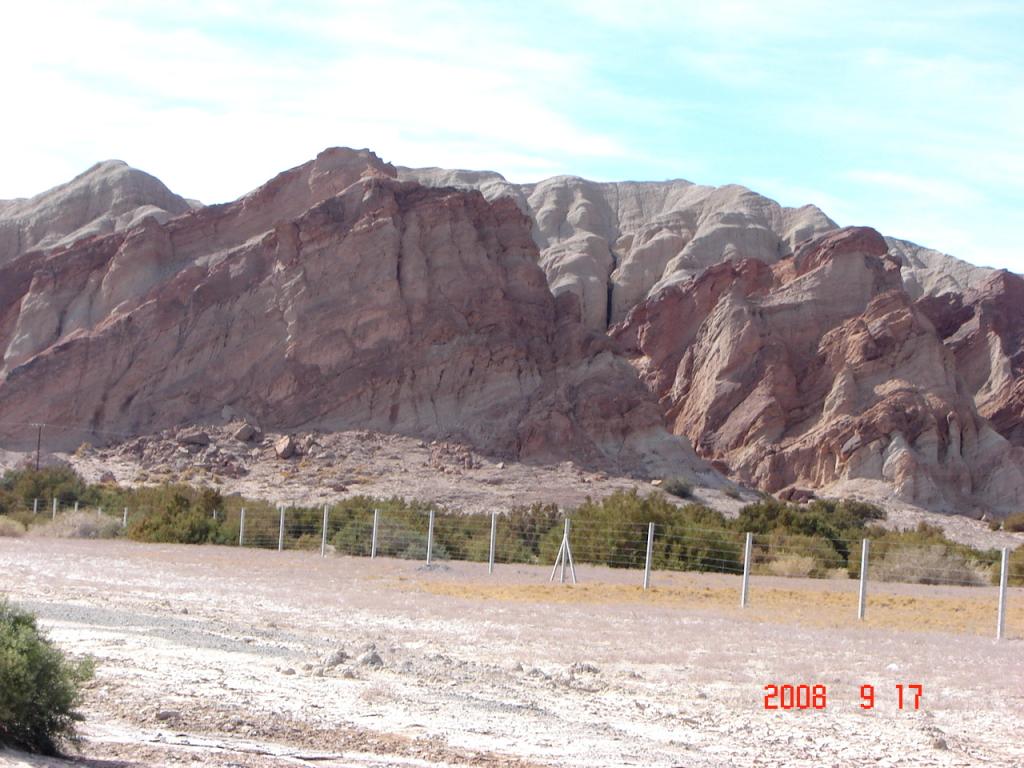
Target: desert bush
39,688
925,537
678,487
78,525
932,564
1014,523
11,528
179,522
59,482
792,566
817,555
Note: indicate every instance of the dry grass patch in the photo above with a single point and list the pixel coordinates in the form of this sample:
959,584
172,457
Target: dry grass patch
820,607
11,528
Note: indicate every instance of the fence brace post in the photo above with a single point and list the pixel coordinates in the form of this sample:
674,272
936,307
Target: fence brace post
1004,573
323,537
494,540
373,542
241,527
55,508
280,532
745,589
430,537
862,599
650,552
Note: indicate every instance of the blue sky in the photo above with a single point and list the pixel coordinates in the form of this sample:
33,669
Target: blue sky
905,116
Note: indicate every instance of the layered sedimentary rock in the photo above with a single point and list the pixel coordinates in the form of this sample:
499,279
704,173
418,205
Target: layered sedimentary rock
984,327
819,369
613,244
453,304
335,296
108,197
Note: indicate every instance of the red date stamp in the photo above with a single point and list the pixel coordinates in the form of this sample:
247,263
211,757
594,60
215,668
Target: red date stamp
788,696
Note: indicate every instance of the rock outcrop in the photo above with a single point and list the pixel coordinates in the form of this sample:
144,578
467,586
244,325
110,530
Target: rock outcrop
335,296
565,319
614,244
820,369
984,327
109,197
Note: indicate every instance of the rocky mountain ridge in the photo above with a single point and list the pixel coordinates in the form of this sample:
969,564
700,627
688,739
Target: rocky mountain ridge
565,319
333,296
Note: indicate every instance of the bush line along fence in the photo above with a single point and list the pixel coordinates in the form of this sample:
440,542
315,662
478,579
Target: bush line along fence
558,540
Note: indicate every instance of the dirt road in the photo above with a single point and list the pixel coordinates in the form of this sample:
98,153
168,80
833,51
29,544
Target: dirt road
223,657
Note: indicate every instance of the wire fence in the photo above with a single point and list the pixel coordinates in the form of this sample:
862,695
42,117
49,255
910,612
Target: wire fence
552,539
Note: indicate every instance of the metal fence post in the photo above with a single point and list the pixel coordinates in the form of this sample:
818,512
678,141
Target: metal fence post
863,596
55,509
1004,573
35,506
430,537
323,536
494,541
373,542
280,532
650,552
744,590
241,527
124,518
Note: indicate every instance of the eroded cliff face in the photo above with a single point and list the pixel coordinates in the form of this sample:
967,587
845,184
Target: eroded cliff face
613,244
984,328
346,293
110,196
335,296
820,369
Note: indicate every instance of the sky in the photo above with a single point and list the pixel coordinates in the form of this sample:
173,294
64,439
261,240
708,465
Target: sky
907,116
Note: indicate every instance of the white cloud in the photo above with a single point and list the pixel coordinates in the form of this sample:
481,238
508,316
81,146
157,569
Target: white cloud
213,116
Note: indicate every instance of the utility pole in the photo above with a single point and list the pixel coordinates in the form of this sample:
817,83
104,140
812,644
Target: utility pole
39,442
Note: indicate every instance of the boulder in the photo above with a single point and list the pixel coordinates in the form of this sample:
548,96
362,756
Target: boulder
245,432
284,447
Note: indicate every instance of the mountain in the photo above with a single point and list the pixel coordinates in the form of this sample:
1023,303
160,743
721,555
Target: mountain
818,370
335,296
109,197
615,324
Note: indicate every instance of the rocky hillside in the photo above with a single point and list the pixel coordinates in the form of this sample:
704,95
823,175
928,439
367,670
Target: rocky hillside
335,297
565,319
109,197
820,369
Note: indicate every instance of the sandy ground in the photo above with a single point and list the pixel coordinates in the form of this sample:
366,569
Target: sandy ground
219,656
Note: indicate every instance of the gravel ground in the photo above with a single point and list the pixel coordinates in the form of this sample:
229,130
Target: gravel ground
225,657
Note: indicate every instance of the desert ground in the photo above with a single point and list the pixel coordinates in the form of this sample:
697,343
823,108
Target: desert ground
236,657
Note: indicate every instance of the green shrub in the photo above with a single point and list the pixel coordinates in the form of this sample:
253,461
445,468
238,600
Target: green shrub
178,523
678,487
39,688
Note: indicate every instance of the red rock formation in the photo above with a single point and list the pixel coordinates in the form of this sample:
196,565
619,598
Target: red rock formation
985,329
335,296
820,370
